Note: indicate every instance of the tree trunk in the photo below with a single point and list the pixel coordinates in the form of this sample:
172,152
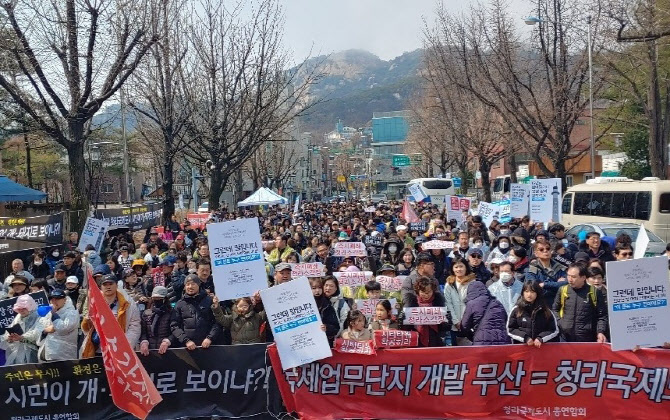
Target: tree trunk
29,171
168,184
215,187
513,168
79,198
463,169
485,170
657,147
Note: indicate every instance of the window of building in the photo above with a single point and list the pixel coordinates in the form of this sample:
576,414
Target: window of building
569,181
587,177
107,188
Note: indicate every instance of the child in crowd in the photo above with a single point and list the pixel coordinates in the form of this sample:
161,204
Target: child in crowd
244,323
383,317
531,321
355,327
373,290
331,324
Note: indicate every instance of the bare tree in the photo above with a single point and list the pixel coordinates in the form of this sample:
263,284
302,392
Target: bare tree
244,94
73,56
161,102
273,164
539,93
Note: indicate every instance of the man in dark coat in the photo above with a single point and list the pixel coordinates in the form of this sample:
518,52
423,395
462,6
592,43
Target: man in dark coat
485,316
156,331
596,248
192,321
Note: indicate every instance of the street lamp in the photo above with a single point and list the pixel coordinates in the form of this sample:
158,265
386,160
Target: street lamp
532,20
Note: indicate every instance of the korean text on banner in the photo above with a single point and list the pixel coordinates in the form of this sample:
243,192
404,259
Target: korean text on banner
489,212
20,233
131,387
390,284
352,278
637,300
296,323
93,234
520,198
350,249
545,200
437,244
456,206
417,192
356,347
396,338
509,381
238,267
368,306
315,269
425,315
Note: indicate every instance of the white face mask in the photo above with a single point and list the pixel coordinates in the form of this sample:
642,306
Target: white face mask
477,245
504,231
37,262
393,249
503,245
513,259
505,276
56,254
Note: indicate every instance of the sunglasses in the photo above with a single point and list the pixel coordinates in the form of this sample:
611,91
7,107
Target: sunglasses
479,257
542,249
626,254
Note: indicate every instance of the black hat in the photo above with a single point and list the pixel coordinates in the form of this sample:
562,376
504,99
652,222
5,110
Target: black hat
57,294
70,254
581,257
124,248
422,258
60,267
108,278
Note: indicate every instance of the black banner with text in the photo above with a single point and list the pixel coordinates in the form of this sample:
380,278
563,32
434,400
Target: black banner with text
135,218
225,381
21,233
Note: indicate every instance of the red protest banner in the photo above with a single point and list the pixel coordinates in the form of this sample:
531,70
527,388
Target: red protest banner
131,387
357,347
198,220
396,338
583,380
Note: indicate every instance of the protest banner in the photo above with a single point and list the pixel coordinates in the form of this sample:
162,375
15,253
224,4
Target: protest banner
489,212
505,206
296,323
408,214
370,209
420,227
641,243
374,240
131,388
350,249
637,300
520,199
238,267
198,220
585,380
425,315
545,200
417,192
307,269
93,234
223,381
395,338
22,233
139,217
352,278
455,207
390,284
368,306
296,206
7,313
437,244
366,347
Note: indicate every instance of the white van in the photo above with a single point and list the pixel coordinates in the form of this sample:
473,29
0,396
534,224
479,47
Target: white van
623,200
435,188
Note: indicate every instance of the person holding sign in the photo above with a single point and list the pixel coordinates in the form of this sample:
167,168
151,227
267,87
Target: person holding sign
426,295
581,309
244,323
356,328
20,338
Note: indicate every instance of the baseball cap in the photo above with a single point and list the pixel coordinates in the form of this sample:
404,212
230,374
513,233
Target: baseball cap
168,261
283,266
123,248
475,251
387,267
496,261
101,269
60,267
581,257
108,278
72,279
57,294
159,292
138,261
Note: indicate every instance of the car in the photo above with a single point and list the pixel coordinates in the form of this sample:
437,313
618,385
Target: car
204,208
656,245
376,198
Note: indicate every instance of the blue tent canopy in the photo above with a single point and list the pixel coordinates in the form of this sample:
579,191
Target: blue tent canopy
10,191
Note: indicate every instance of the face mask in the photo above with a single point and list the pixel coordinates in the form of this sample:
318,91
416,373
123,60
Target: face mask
37,262
513,259
505,276
477,245
504,231
56,254
503,245
393,249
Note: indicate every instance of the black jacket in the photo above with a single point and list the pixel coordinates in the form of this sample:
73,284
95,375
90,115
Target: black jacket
156,326
581,318
482,273
192,319
532,323
328,317
435,338
604,253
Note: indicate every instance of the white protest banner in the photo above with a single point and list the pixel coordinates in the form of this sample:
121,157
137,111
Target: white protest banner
505,207
296,207
352,278
417,192
350,249
519,197
545,200
93,233
456,206
368,306
637,300
238,267
296,323
436,244
370,209
390,284
425,315
641,243
307,269
489,212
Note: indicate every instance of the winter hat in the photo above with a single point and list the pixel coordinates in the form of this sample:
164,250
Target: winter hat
25,302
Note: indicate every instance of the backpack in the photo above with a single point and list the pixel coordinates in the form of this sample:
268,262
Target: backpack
563,291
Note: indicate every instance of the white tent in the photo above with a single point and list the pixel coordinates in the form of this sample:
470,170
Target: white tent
263,197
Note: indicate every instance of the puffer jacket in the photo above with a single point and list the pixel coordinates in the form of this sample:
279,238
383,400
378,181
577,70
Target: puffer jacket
581,319
62,343
455,297
342,308
604,253
24,351
192,320
482,273
549,276
156,326
485,316
526,322
244,329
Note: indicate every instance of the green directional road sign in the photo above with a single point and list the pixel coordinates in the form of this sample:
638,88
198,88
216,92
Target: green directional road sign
401,160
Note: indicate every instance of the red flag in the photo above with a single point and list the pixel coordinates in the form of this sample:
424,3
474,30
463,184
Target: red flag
132,389
408,213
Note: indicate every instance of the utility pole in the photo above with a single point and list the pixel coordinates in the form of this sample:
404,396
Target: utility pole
309,168
126,165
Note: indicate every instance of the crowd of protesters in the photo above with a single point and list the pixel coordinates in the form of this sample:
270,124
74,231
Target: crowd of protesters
511,282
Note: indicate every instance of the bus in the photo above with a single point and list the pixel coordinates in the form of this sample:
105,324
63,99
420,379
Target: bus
435,188
620,200
501,186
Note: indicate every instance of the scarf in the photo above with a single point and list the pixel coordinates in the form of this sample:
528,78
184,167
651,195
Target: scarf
424,330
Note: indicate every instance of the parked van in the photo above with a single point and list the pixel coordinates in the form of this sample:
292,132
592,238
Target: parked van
622,200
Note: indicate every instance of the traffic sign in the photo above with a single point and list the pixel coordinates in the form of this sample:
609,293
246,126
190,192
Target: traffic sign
457,182
401,160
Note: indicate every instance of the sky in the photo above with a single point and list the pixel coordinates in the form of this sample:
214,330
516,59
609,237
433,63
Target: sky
386,28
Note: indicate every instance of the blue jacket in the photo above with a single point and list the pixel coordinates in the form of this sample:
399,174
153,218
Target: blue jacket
485,316
548,276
